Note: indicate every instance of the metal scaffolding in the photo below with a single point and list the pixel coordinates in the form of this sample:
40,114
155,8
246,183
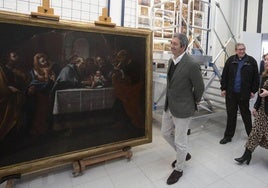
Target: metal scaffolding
212,100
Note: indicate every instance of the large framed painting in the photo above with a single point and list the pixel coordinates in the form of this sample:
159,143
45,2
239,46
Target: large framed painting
70,90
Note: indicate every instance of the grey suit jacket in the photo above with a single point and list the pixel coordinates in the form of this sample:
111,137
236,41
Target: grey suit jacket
185,89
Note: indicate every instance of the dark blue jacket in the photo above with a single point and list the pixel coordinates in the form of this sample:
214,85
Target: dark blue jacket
249,76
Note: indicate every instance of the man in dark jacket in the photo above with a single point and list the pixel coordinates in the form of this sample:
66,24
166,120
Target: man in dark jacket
239,83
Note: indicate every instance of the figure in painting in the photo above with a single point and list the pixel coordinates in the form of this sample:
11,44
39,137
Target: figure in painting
128,88
38,91
12,83
80,47
69,76
104,66
98,80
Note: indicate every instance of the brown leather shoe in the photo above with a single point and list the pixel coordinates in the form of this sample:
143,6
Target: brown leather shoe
187,158
174,177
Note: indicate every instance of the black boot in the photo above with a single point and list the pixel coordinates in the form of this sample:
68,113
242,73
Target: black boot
245,157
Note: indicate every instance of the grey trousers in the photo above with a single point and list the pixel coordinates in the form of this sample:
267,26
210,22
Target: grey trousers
174,131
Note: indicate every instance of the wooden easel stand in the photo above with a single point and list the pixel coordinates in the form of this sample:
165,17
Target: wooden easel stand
80,165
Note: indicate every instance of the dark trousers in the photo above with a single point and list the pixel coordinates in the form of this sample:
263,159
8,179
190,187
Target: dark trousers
232,105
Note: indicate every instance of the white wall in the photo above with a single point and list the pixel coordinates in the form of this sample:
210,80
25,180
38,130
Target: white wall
222,20
234,14
264,17
115,11
253,44
252,16
238,15
82,10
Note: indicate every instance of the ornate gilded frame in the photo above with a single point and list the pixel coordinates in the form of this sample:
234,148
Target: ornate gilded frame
131,38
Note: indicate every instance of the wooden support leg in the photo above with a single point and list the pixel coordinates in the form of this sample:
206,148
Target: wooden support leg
10,183
77,169
10,179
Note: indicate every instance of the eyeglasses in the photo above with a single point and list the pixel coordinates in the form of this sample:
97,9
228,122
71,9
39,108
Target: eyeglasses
241,49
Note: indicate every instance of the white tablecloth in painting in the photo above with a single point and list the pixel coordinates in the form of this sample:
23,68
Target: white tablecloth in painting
82,100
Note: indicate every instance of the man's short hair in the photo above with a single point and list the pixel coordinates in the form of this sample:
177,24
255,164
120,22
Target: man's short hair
183,39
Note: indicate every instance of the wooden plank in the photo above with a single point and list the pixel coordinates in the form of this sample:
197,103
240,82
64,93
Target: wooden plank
80,166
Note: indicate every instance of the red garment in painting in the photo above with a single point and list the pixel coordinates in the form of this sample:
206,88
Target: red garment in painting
131,96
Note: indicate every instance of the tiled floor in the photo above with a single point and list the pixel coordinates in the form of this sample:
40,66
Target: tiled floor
212,165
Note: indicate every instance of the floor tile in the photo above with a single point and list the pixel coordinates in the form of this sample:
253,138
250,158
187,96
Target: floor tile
242,179
129,178
97,183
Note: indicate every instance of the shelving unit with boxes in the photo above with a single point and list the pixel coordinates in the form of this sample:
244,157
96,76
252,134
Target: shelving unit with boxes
170,16
163,22
144,13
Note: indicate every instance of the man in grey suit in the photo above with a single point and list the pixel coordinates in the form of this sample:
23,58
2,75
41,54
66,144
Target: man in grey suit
184,91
